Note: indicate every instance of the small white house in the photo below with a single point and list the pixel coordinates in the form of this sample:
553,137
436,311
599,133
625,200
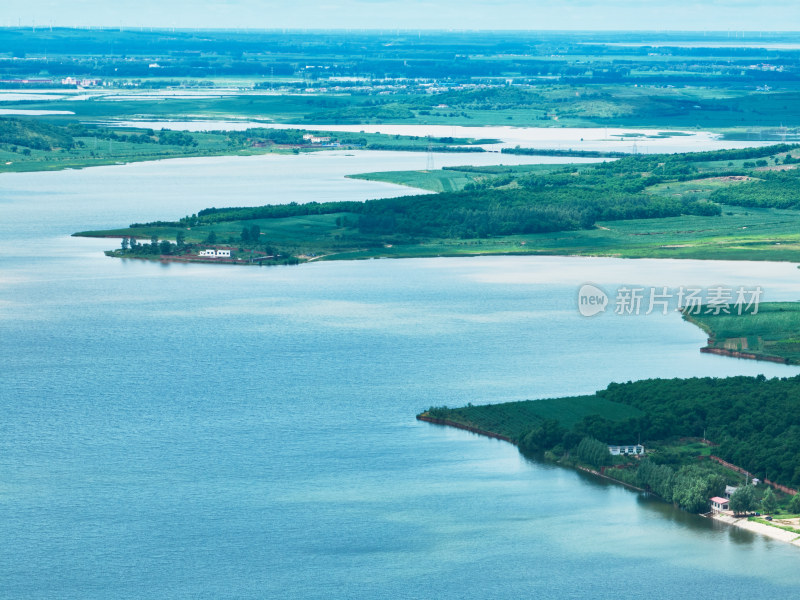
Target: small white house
627,449
719,504
211,253
729,490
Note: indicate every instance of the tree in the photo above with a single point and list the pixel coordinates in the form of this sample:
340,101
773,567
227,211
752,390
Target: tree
692,487
166,247
768,502
125,244
745,499
794,504
658,479
180,239
544,437
593,452
245,235
212,238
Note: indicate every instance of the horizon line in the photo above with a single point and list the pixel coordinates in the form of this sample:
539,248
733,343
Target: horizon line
737,33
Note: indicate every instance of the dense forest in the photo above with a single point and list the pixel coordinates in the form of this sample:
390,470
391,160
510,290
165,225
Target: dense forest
37,135
754,421
41,135
534,207
772,189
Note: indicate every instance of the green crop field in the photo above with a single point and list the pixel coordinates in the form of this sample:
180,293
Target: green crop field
434,181
451,179
514,419
773,331
737,234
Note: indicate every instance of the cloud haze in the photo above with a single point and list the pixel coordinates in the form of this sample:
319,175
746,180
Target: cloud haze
719,15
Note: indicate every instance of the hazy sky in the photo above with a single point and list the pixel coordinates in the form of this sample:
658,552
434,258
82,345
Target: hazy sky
720,15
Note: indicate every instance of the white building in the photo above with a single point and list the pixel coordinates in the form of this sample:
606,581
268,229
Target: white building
316,139
719,504
211,253
628,449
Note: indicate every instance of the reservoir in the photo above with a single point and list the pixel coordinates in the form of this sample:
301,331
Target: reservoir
173,430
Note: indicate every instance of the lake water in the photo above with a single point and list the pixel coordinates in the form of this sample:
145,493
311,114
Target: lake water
173,431
32,113
604,139
727,45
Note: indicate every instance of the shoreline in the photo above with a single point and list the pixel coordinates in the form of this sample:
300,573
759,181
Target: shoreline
490,434
744,355
775,533
769,531
346,255
164,258
712,346
447,423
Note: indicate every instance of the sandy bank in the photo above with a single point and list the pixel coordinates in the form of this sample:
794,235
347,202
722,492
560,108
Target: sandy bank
767,530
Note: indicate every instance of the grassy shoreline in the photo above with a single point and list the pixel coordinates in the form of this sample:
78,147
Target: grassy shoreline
768,332
28,145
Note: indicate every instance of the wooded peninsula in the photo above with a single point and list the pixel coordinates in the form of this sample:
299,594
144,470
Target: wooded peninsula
691,431
724,204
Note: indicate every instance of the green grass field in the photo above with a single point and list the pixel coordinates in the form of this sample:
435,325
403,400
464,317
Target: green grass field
451,179
774,331
737,234
434,181
91,151
97,152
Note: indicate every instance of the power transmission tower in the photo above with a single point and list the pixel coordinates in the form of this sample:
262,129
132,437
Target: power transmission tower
429,159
